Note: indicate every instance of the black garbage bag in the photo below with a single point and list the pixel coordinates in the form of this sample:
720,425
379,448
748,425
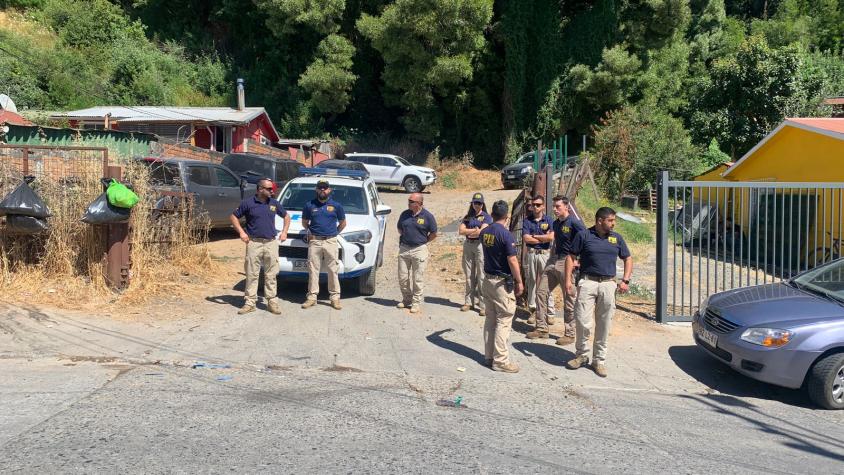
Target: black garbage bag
24,201
100,211
17,224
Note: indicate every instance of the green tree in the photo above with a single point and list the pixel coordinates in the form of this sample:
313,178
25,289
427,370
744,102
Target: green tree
428,47
329,79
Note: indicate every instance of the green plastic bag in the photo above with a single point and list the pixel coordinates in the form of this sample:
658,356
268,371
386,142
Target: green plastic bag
121,196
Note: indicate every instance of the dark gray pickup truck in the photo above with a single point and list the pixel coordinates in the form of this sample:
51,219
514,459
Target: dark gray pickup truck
216,189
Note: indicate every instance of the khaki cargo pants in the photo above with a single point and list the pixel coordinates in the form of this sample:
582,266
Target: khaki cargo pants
323,253
598,298
261,253
552,277
500,308
412,264
473,269
534,264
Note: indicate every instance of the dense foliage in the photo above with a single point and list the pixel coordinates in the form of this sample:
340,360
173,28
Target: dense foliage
657,84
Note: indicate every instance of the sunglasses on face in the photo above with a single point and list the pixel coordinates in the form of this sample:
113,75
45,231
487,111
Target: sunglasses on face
537,204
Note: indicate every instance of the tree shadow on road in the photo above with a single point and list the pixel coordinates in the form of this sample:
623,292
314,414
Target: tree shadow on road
551,354
462,350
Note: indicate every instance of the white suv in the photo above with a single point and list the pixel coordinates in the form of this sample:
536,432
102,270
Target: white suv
392,170
361,242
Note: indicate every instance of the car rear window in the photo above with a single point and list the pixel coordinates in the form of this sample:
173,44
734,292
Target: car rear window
295,195
163,174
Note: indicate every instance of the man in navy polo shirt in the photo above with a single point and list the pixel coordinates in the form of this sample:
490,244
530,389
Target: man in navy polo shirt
599,248
324,219
566,227
537,233
417,227
262,240
502,278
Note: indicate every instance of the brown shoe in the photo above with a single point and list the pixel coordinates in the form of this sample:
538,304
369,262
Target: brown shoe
577,362
565,340
599,369
246,309
274,309
536,334
482,313
335,304
309,303
531,320
551,321
414,309
505,368
465,308
402,305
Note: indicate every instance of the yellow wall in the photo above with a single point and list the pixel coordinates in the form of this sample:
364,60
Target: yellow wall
794,155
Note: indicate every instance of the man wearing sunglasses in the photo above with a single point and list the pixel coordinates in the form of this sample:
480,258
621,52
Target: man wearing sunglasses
537,233
262,240
417,227
323,219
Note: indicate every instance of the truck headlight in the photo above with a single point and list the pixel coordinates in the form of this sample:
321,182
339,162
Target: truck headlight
526,169
358,237
767,337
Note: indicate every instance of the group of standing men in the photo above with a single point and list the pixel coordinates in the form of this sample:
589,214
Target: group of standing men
554,249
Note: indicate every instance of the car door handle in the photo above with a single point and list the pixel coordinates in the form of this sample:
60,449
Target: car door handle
221,194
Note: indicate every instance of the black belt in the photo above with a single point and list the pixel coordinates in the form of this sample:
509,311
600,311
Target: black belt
264,240
537,251
412,246
497,276
473,239
598,278
321,238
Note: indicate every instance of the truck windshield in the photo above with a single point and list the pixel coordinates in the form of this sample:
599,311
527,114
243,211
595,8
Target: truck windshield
295,195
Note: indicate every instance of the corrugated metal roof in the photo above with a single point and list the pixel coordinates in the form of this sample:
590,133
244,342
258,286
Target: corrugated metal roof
830,125
166,114
12,118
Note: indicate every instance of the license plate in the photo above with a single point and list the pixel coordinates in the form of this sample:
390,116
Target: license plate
707,336
300,263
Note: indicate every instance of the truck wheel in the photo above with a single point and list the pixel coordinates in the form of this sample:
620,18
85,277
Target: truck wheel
412,184
366,283
826,382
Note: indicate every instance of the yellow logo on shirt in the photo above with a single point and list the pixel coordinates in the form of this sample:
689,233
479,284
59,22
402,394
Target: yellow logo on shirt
489,239
565,229
420,221
329,208
543,226
272,208
612,240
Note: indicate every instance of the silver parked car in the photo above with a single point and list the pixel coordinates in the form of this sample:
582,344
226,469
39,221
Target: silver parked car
790,334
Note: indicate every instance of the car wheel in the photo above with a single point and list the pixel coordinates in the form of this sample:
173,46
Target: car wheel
826,382
366,283
412,184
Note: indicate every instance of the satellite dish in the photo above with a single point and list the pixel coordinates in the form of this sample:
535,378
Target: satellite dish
7,104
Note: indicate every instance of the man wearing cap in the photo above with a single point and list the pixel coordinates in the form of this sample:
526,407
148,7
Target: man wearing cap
417,227
599,248
537,234
473,223
501,286
566,226
262,240
323,219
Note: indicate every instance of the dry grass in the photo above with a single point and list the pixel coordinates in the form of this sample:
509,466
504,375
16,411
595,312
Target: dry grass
64,266
458,173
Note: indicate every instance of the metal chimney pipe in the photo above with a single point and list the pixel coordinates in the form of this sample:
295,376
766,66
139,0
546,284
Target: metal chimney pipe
241,96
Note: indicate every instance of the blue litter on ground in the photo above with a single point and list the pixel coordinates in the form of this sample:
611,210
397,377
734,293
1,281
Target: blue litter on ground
224,378
202,364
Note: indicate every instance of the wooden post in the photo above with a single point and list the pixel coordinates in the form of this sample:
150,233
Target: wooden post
118,262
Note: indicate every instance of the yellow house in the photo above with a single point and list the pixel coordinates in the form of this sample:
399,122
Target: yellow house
803,150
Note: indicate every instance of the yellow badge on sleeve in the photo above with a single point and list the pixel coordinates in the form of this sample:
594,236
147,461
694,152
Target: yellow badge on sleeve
272,208
420,221
612,240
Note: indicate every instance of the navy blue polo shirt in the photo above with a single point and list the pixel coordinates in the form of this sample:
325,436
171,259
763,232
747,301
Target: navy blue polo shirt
323,216
416,229
260,217
564,232
598,254
498,244
539,227
475,222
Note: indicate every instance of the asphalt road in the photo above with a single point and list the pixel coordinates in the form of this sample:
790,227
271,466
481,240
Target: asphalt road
363,390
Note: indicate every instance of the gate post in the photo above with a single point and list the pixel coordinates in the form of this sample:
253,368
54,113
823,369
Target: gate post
661,246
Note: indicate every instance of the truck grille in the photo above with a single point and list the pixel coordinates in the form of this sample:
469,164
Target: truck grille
718,323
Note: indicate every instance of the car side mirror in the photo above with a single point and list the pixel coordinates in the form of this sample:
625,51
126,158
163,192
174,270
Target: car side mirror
383,210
